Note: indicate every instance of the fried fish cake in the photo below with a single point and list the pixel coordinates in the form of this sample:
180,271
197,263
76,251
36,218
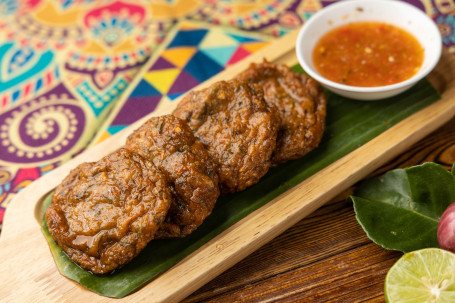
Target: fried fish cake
171,145
104,213
301,103
238,128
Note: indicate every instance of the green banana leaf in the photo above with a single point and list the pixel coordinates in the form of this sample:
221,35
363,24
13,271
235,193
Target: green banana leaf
401,209
349,124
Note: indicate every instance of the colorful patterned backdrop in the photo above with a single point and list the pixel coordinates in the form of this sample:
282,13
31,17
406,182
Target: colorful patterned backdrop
64,64
191,54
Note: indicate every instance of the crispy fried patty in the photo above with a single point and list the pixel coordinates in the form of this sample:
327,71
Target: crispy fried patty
238,128
104,213
171,145
301,103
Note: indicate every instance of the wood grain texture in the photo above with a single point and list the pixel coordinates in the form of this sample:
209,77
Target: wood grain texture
325,257
32,275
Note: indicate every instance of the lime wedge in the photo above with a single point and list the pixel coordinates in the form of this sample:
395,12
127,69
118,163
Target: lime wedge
426,275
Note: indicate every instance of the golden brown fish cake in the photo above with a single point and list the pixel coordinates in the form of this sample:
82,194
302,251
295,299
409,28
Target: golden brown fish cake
171,145
301,103
104,213
238,128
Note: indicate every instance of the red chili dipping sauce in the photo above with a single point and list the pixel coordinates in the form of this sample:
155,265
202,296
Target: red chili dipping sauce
368,54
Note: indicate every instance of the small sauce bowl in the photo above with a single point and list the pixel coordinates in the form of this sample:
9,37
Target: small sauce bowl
397,13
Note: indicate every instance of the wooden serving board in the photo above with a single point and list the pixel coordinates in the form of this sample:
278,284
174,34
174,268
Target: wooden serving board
28,270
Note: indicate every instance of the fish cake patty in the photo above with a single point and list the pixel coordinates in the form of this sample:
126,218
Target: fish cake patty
238,128
170,144
301,103
104,213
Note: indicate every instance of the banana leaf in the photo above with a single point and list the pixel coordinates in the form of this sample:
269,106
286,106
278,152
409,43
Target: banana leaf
349,125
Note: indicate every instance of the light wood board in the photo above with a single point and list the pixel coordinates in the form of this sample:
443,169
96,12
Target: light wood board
28,272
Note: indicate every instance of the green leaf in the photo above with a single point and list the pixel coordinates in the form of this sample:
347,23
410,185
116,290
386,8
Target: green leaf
401,209
349,124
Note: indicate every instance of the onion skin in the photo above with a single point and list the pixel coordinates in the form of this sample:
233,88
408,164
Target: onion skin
446,229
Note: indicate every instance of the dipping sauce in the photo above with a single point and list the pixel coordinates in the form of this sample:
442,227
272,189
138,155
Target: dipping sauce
368,54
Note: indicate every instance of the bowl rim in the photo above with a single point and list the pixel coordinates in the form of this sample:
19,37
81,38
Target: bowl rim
369,89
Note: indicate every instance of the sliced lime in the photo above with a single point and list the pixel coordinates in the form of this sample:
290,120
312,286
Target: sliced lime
426,275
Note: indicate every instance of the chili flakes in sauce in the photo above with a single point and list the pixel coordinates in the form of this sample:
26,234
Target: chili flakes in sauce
368,54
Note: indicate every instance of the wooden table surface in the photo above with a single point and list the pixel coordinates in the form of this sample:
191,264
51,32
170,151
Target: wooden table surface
326,257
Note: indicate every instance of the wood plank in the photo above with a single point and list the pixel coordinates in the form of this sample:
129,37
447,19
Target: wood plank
308,258
32,274
306,243
319,281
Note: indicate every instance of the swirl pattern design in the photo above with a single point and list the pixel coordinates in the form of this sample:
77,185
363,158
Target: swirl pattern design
40,130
